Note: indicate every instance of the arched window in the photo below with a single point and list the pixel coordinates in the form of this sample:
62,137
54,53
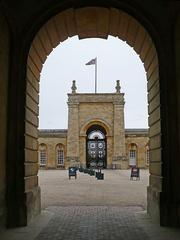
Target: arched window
147,155
42,154
132,154
60,155
96,134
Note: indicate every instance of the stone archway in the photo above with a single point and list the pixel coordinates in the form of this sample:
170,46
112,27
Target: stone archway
95,22
97,121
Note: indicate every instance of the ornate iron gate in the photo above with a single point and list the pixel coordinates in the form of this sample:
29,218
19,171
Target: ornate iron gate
96,150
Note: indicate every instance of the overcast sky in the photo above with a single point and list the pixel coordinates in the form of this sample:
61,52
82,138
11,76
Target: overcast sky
116,61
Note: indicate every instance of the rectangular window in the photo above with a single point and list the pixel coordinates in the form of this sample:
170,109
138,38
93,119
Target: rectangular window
132,154
60,157
147,157
42,157
132,157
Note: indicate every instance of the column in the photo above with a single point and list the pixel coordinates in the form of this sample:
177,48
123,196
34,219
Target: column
82,150
119,158
73,134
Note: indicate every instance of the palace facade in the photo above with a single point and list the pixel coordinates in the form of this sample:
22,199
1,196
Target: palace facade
95,137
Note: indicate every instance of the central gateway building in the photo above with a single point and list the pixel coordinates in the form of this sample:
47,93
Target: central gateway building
96,134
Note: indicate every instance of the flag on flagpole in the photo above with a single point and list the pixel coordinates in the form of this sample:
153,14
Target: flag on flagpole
92,62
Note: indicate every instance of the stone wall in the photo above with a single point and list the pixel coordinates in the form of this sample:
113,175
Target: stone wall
132,136
51,141
4,63
104,109
142,143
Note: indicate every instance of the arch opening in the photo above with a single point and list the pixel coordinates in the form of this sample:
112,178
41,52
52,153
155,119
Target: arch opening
96,147
107,22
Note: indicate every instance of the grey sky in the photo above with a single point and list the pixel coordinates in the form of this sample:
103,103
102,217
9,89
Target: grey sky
116,61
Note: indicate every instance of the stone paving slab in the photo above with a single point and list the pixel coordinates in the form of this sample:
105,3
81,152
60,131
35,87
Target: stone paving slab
127,223
93,223
98,210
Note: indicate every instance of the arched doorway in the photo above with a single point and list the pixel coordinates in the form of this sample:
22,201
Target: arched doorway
96,147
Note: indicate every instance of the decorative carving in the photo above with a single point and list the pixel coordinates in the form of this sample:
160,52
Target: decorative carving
74,88
118,87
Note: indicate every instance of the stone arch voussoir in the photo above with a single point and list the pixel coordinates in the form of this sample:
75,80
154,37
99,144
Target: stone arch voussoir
92,122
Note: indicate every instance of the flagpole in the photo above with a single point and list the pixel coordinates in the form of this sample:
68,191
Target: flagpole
96,75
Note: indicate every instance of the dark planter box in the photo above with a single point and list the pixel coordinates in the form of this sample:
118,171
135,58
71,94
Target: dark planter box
99,176
85,170
92,173
81,169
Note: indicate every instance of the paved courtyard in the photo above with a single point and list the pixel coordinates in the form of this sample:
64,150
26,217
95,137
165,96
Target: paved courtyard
93,223
115,190
90,209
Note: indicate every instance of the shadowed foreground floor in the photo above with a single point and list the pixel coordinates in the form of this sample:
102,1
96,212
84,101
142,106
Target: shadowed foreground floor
90,209
93,223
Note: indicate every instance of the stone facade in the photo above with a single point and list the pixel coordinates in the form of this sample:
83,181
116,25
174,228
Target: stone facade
105,110
51,138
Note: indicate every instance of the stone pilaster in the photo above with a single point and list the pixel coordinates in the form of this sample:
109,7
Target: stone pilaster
82,151
119,158
109,151
73,133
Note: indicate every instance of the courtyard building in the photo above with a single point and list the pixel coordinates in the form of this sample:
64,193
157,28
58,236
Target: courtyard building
96,136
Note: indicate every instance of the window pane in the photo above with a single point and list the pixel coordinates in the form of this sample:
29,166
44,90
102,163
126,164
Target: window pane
60,157
132,157
132,154
42,157
147,156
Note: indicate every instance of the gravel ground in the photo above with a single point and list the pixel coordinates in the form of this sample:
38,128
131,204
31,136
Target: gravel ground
115,190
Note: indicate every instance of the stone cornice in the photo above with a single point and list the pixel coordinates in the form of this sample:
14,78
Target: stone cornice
132,132
115,98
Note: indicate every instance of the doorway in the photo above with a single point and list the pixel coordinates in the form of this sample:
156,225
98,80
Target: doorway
96,147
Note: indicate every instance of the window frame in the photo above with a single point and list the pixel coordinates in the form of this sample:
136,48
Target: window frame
60,155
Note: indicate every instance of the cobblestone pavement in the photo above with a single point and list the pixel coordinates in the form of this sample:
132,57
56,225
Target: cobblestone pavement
93,209
90,209
93,223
